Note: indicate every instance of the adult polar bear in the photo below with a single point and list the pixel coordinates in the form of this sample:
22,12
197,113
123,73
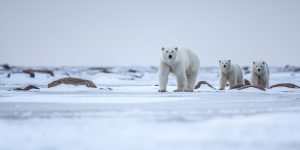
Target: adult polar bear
183,63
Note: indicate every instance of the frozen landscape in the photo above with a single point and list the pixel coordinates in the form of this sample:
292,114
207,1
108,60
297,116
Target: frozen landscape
125,111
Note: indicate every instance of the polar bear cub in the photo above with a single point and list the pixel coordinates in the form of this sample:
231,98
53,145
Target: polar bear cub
260,74
231,73
183,63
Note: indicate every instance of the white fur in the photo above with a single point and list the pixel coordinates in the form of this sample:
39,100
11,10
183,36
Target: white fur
184,64
231,73
260,74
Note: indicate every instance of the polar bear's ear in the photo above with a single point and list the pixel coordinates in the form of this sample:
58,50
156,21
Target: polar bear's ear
253,62
176,48
162,49
219,61
229,60
263,62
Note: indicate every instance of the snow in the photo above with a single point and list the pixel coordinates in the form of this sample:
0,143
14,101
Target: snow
127,112
251,132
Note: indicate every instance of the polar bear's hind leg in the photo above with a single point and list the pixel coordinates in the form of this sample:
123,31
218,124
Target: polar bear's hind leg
191,81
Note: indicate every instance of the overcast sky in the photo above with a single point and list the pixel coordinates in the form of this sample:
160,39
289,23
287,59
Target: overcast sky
132,32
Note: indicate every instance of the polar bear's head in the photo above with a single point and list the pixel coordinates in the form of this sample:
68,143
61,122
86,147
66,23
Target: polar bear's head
225,65
259,67
169,54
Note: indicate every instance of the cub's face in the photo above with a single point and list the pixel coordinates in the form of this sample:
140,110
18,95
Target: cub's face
225,65
259,67
169,54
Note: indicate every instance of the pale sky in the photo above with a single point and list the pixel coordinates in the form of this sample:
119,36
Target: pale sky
132,32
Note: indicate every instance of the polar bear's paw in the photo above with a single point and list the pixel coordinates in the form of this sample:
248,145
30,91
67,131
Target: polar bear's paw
179,90
162,90
188,90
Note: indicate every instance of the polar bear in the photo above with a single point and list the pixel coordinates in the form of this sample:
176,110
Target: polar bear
260,74
231,73
183,63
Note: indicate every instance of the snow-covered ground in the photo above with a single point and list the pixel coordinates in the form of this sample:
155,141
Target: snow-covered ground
127,112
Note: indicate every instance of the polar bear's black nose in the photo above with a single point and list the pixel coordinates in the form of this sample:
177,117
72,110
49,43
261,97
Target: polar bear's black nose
170,56
224,66
258,69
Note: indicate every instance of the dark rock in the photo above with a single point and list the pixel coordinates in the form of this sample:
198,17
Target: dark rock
50,72
110,89
32,71
106,70
102,69
132,71
289,68
31,74
138,76
6,67
27,88
72,81
246,69
136,73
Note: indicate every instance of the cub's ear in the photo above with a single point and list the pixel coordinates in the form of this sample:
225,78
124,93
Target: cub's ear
219,61
264,62
229,60
162,49
176,48
253,62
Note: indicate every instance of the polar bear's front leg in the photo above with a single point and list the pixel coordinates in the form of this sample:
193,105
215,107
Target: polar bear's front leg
181,82
264,82
163,77
232,83
254,79
267,83
232,79
223,81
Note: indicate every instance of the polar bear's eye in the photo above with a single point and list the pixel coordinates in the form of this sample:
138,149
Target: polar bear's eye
167,51
172,51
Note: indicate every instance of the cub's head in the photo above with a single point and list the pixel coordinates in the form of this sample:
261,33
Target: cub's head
225,65
169,54
259,67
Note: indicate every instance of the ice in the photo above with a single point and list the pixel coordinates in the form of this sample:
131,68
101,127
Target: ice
126,111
